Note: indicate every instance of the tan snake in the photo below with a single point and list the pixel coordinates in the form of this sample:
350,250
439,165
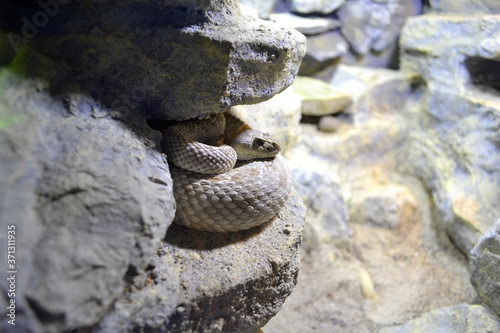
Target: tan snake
215,192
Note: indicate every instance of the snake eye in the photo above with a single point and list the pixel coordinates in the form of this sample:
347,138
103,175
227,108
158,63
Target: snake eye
259,142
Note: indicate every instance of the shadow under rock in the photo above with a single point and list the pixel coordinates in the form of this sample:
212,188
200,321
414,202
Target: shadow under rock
185,238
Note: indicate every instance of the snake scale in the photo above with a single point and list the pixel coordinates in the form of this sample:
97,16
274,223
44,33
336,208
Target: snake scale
227,177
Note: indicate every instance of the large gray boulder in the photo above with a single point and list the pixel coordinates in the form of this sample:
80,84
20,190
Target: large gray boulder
89,197
166,59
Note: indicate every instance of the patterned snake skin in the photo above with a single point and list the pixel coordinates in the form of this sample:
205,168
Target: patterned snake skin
213,191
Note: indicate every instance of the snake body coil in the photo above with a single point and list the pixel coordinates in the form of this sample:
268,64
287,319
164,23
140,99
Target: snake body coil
210,194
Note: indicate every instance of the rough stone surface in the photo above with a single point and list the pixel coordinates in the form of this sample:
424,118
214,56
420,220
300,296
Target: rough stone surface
374,25
460,318
319,98
386,205
455,145
465,7
472,40
90,198
214,282
323,50
319,186
171,60
485,268
315,6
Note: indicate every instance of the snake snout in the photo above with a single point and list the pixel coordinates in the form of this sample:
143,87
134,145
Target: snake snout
270,147
274,147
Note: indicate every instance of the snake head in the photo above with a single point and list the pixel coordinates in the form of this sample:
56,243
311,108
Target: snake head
252,144
266,143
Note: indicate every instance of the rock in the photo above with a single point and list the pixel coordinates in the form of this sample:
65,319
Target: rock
306,25
464,228
388,119
264,8
150,56
318,97
455,146
388,205
374,25
473,52
323,51
280,116
459,318
315,6
89,196
409,277
366,283
327,163
387,58
357,81
360,145
333,124
319,186
214,282
465,7
485,268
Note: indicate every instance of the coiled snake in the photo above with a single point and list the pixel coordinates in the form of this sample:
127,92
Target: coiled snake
215,192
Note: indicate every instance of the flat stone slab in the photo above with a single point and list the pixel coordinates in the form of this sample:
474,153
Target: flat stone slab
306,25
315,6
319,98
